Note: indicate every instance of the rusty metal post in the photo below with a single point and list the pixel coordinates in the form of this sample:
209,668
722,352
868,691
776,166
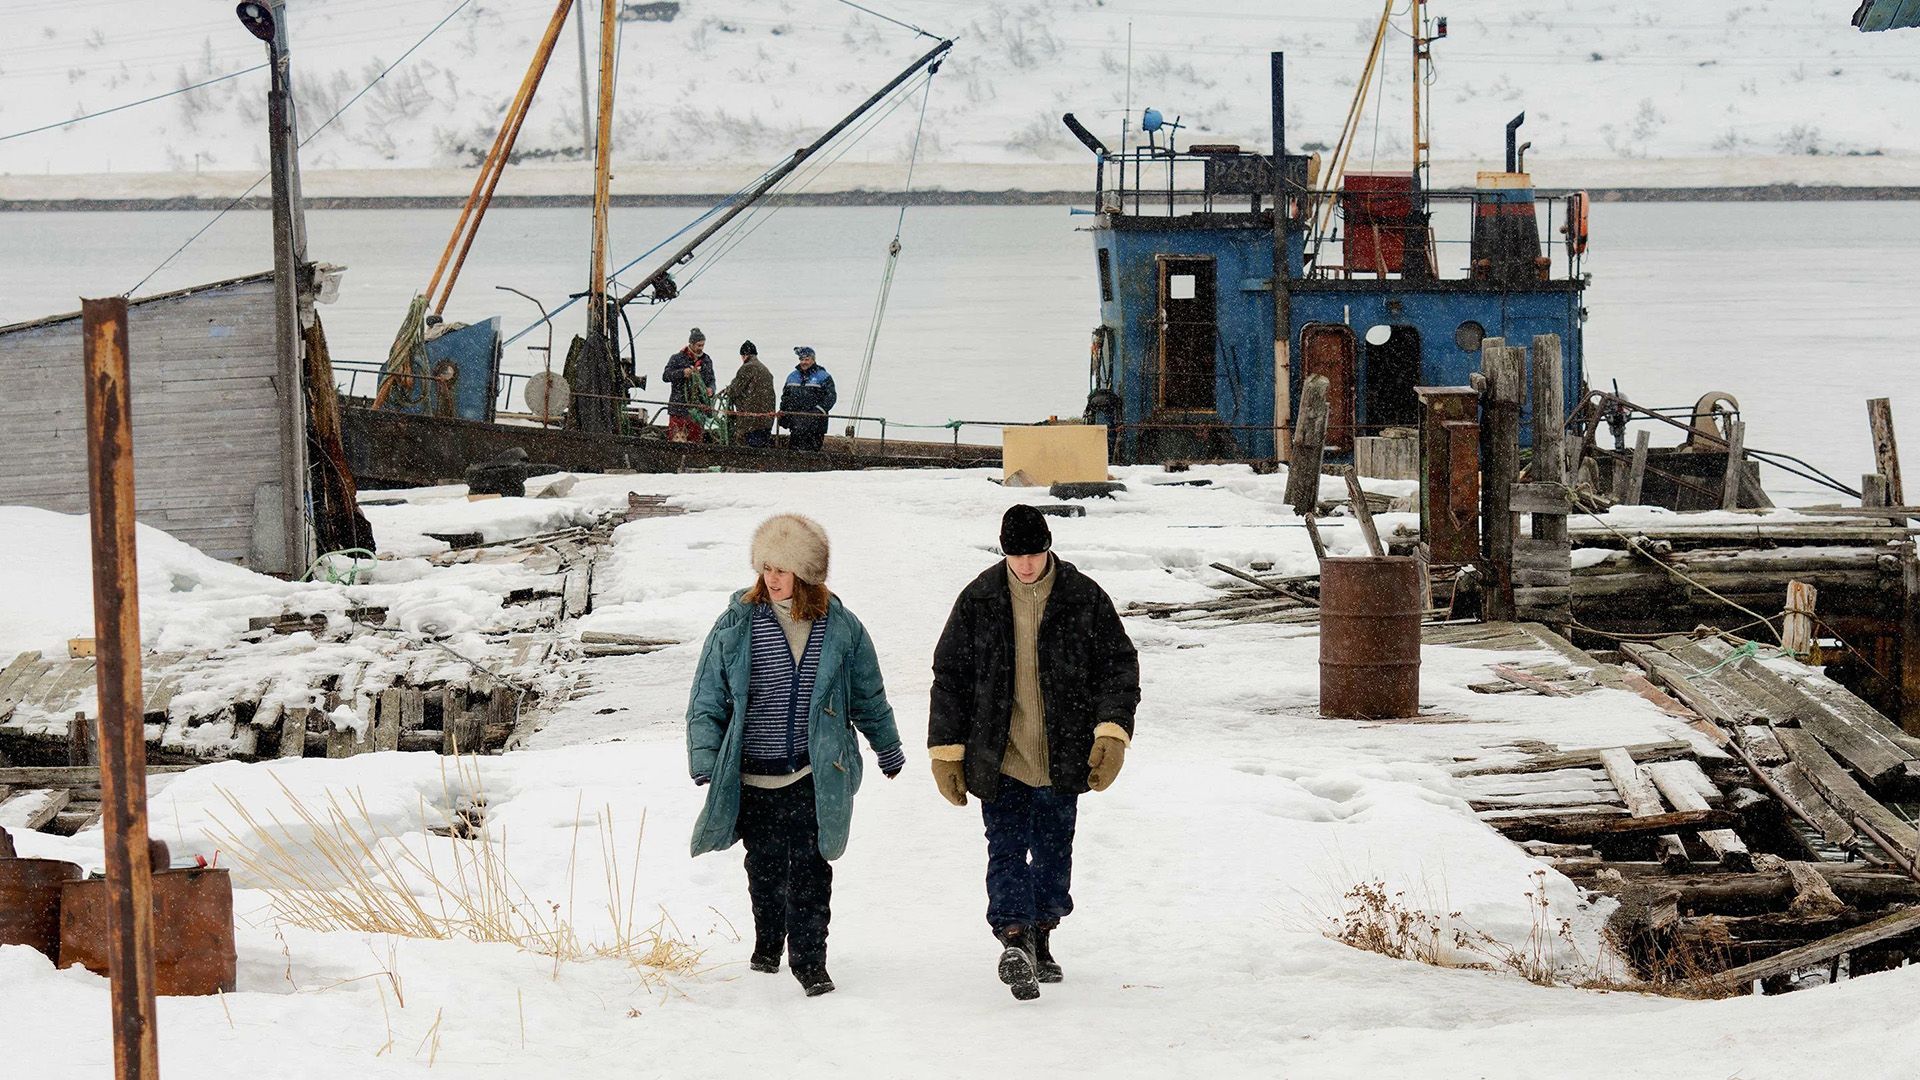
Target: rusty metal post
123,748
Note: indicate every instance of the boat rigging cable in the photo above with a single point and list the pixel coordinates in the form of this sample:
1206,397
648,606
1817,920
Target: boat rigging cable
243,196
733,237
131,104
893,262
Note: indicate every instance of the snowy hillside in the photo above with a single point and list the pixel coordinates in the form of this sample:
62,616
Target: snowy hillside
729,81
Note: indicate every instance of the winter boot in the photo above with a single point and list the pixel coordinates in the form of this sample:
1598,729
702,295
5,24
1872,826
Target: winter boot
766,964
1045,967
814,981
1017,965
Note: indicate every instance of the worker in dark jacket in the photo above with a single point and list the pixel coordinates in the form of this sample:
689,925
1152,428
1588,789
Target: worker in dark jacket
691,372
750,398
1034,689
806,400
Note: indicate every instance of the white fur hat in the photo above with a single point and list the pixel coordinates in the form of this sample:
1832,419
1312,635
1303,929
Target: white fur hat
791,542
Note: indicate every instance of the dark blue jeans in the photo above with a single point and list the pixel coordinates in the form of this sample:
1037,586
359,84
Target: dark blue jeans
1029,855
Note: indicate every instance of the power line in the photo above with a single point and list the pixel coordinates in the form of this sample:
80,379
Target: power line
131,104
242,197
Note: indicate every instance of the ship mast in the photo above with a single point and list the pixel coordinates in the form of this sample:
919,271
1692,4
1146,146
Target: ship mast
602,147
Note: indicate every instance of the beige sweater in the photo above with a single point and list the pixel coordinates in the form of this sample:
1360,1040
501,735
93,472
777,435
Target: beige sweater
1025,759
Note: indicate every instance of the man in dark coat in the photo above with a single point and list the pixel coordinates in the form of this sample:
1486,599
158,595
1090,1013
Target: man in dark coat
806,400
691,372
750,397
1034,689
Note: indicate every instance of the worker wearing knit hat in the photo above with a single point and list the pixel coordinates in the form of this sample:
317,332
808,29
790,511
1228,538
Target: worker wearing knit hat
779,760
1029,746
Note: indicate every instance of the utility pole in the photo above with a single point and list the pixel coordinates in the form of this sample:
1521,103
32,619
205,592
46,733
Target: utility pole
269,24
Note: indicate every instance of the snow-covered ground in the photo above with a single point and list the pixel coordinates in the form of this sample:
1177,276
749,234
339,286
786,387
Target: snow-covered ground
732,82
1204,877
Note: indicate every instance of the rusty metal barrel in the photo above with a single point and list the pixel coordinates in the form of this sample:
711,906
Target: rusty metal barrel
30,899
1370,612
194,951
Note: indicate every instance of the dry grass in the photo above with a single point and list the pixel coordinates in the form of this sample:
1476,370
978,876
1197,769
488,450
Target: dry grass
334,868
1385,921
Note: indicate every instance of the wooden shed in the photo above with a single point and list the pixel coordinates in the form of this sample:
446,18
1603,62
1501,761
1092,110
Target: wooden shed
209,419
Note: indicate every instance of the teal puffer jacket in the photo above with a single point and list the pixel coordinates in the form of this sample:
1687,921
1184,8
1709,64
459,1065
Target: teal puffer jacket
848,694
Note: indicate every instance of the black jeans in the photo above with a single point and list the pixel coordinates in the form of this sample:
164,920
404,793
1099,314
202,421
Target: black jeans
1029,855
790,883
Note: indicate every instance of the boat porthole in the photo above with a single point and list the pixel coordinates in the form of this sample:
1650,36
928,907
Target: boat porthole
1468,335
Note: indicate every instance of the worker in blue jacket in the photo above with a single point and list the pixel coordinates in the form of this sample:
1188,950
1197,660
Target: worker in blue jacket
806,400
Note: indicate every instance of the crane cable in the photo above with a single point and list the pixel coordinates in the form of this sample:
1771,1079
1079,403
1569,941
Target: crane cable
893,262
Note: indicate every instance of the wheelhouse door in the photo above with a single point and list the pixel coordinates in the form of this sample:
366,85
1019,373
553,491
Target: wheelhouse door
1327,349
1189,335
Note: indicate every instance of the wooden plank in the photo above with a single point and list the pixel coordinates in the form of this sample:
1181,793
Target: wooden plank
1643,800
1540,498
1357,503
1881,929
1571,828
385,731
13,675
1637,472
1806,803
293,731
1680,782
1665,750
1736,465
33,808
1847,797
412,709
1532,682
1886,450
1309,446
1910,640
68,775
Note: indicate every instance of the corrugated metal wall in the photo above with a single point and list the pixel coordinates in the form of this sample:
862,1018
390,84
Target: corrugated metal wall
206,417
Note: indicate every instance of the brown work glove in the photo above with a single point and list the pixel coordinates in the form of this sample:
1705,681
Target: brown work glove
951,778
1104,763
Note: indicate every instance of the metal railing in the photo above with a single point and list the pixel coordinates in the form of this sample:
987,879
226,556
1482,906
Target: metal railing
362,381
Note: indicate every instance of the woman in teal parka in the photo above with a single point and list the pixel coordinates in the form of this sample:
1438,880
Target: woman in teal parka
785,678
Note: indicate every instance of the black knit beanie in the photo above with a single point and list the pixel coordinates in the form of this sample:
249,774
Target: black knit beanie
1023,531
747,348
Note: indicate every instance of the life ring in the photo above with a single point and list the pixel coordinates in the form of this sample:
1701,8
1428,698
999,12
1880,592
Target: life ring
1576,227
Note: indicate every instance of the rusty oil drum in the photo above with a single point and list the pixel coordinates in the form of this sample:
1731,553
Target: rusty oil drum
192,922
30,891
1370,612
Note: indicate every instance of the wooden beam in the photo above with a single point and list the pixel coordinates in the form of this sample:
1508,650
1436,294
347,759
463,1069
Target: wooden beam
1890,926
1886,451
1666,750
1736,465
1309,446
1848,798
33,808
1910,640
1680,782
1500,368
1796,625
1636,787
1636,478
1569,828
1357,501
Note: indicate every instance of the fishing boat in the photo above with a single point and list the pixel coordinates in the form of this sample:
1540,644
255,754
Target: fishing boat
441,405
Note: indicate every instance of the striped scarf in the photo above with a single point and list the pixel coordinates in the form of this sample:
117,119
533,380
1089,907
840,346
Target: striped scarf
779,697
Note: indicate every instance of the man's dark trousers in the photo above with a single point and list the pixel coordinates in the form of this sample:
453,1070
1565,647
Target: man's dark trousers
1029,855
790,884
